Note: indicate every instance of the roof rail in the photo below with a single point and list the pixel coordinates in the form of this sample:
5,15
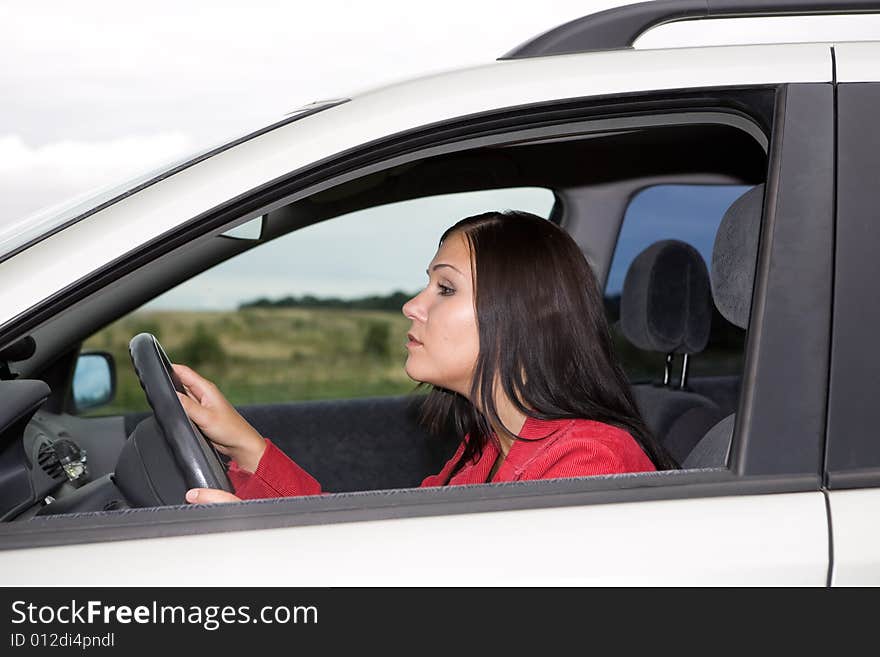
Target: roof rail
619,27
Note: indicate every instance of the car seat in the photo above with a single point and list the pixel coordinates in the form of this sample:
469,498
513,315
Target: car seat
666,307
734,259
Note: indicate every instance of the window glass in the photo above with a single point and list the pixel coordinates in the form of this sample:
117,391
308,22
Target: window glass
692,214
15,234
315,314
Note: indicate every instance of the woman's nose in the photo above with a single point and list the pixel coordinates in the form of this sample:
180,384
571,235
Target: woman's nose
414,309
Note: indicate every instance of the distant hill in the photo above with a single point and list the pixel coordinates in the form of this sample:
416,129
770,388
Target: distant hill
390,302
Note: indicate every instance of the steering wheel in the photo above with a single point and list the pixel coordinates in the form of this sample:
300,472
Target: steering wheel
194,454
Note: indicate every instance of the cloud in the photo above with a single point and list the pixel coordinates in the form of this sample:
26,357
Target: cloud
101,90
35,177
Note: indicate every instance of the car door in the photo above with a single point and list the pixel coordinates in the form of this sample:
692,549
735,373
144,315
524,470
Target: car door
853,452
763,519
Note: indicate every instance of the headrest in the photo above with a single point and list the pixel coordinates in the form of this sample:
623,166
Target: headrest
735,256
666,303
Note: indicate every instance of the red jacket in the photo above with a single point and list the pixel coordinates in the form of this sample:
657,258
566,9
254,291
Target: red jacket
546,449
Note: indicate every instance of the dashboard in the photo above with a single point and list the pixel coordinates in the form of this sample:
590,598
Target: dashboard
52,463
58,464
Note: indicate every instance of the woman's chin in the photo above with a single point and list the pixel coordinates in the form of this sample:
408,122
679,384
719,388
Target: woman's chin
416,375
411,371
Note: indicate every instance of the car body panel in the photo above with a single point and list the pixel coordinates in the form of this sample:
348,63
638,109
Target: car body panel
857,61
855,522
738,540
71,254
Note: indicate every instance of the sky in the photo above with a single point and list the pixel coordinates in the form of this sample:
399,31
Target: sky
94,92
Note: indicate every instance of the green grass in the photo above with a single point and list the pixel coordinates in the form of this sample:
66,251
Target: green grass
261,355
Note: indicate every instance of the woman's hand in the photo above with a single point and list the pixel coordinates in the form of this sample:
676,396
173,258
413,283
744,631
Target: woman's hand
209,496
219,421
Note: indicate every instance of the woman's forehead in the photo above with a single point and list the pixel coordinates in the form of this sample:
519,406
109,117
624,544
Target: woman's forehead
455,251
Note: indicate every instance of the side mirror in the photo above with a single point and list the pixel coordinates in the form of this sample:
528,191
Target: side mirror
94,380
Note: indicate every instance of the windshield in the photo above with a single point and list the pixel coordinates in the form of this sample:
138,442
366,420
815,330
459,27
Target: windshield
18,235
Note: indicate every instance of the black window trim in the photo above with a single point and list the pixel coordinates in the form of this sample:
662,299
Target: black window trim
786,370
853,451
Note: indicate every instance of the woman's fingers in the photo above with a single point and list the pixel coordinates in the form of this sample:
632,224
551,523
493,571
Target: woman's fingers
202,417
197,384
218,419
209,496
196,412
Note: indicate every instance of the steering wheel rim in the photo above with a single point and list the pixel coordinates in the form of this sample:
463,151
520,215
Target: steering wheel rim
196,457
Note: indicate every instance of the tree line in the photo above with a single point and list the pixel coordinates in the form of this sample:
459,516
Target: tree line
391,302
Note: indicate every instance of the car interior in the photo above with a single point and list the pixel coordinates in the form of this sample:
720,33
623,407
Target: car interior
377,443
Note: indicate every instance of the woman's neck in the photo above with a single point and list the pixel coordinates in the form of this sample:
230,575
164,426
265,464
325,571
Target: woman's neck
512,418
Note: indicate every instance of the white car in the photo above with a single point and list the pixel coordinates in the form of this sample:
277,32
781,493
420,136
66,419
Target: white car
762,158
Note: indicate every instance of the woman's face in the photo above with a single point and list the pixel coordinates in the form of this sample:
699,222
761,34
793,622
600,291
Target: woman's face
443,341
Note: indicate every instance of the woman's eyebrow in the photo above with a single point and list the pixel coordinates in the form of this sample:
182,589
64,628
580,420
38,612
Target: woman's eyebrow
442,264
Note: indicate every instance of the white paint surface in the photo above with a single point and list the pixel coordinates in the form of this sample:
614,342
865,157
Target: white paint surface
855,523
739,540
857,62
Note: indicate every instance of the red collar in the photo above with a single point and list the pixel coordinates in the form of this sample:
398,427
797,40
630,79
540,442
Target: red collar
525,448
535,429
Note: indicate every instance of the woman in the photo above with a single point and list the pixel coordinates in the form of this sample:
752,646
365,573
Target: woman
510,332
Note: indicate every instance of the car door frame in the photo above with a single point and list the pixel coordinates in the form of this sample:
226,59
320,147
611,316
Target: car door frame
797,224
852,470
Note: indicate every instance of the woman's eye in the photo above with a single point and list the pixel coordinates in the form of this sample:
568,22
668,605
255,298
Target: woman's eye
445,291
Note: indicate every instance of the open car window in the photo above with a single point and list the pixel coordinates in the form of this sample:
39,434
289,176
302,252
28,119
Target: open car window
302,329
314,314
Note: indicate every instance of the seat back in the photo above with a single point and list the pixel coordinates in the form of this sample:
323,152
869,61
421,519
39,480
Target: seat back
734,260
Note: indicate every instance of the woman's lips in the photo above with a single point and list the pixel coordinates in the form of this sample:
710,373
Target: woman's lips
412,342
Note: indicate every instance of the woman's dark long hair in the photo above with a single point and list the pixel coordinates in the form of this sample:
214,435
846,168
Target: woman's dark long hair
543,335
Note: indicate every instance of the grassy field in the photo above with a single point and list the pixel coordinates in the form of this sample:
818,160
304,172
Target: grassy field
260,355
265,355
